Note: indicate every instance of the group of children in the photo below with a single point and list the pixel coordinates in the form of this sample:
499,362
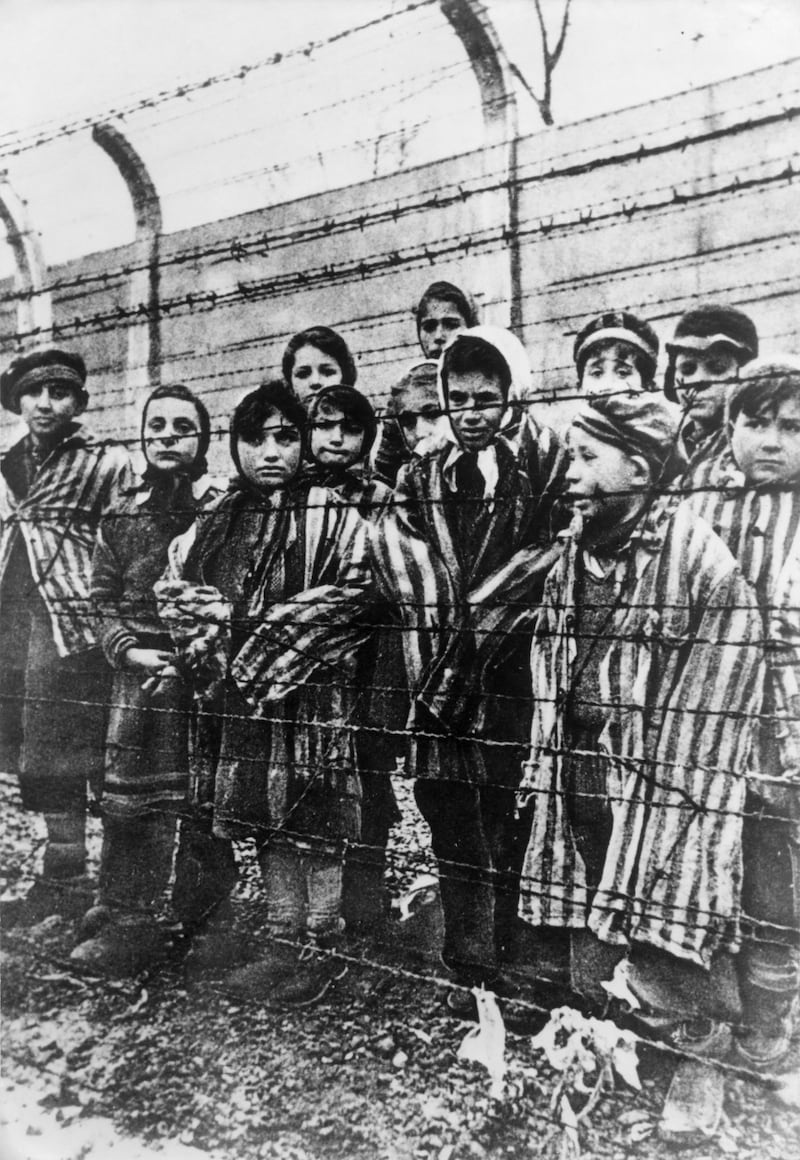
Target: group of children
583,645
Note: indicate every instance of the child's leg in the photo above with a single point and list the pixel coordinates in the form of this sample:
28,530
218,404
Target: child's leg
452,810
321,866
62,745
769,963
284,887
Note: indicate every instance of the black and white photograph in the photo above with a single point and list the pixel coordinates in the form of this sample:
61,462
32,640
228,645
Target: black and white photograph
400,580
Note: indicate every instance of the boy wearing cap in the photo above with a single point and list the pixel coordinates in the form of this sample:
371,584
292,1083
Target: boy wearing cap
645,666
711,343
616,353
754,507
56,482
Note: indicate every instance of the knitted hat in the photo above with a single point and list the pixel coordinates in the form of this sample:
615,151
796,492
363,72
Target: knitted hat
621,326
42,366
711,324
638,425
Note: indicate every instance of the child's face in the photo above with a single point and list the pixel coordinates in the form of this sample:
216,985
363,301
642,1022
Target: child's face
312,370
604,484
49,408
611,370
476,404
336,441
702,379
272,459
419,413
438,325
766,445
171,434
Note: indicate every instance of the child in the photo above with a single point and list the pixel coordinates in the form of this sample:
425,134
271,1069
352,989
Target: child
645,670
417,408
469,504
616,353
442,312
287,779
343,428
711,343
56,483
146,771
315,358
755,509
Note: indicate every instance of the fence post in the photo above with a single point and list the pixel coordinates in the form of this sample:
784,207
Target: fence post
34,305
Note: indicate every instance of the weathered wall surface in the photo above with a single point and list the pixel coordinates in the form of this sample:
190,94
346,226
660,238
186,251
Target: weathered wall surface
650,209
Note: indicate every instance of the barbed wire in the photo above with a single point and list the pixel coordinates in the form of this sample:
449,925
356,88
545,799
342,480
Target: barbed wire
36,139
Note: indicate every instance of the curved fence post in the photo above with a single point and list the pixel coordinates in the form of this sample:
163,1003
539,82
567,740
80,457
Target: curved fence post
34,305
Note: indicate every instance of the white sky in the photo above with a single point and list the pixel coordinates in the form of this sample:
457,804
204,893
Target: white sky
237,146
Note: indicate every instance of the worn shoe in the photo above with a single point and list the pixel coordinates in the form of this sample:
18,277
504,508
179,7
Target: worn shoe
768,1038
122,948
315,973
69,897
693,1108
257,980
704,1037
93,921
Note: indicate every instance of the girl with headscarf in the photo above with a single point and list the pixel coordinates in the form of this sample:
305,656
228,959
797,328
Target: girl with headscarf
146,764
285,773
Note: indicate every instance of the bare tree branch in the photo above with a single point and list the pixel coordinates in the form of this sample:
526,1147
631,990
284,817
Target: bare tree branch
550,59
559,48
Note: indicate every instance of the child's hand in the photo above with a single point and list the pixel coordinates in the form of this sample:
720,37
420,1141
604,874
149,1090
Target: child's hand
147,660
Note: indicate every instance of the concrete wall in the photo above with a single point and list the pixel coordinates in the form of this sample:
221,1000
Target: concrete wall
651,209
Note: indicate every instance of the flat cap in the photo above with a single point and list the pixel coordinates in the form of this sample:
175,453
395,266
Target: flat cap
41,366
713,324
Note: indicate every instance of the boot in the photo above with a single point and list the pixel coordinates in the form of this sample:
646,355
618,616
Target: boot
67,897
316,971
205,874
216,947
693,1108
767,1039
63,887
125,947
257,980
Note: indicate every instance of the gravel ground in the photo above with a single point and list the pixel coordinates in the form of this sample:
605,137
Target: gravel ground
154,1067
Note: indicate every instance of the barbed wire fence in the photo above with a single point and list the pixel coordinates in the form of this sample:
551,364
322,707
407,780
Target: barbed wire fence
717,192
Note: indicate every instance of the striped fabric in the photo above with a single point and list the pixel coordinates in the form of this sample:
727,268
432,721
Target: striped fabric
58,519
761,526
298,635
681,677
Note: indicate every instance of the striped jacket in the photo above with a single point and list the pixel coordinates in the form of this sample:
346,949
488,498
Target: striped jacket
58,520
681,679
761,527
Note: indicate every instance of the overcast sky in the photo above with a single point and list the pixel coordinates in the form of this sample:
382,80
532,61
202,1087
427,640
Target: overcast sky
67,57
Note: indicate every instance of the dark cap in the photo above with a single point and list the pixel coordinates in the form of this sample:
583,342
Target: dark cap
711,324
42,366
620,326
714,323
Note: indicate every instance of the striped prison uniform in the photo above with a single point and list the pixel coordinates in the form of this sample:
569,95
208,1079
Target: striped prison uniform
54,682
681,679
761,526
